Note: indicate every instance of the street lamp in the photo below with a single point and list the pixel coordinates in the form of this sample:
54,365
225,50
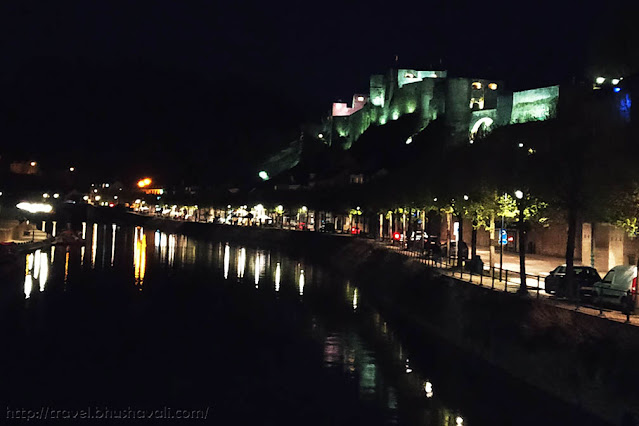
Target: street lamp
501,239
519,194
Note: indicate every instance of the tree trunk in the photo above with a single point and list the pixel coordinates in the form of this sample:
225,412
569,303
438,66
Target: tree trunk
473,241
571,283
491,255
523,241
460,260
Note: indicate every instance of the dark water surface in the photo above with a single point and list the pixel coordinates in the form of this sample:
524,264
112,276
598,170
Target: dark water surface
138,318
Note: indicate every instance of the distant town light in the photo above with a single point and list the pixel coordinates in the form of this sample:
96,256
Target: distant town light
95,190
519,194
115,197
600,80
97,198
72,169
45,195
33,164
409,140
615,81
85,198
263,175
492,86
521,145
435,199
466,197
321,136
56,195
144,182
304,208
34,207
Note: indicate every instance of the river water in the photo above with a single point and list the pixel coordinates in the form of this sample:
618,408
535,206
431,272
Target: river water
136,319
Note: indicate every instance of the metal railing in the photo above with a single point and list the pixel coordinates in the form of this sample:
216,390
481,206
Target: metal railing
609,301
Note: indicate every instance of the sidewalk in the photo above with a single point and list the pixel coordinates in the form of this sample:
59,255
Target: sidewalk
539,265
535,264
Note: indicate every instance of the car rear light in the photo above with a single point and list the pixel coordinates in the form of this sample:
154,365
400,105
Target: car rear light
634,285
397,236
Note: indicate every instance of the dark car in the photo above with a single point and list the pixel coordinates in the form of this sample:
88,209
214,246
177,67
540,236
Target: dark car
585,277
328,227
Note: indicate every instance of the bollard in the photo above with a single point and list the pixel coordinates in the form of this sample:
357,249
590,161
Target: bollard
506,281
537,286
492,285
481,278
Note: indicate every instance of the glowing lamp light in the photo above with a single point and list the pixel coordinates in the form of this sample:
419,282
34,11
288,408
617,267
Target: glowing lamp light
519,194
615,81
435,199
459,421
321,136
304,208
85,198
617,89
56,195
466,197
97,198
263,175
72,169
45,195
144,182
492,86
521,145
33,164
35,207
409,140
600,80
360,99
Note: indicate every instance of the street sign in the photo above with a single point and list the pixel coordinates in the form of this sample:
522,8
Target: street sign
504,237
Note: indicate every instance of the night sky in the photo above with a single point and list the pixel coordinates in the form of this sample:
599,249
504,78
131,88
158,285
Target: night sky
204,90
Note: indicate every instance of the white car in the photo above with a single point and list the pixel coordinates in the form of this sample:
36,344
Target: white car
614,287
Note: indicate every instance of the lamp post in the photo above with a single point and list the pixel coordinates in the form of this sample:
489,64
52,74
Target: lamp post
501,239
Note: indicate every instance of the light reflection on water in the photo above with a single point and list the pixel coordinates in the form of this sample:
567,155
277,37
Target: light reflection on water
379,373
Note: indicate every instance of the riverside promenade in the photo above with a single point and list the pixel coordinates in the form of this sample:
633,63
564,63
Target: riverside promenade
537,268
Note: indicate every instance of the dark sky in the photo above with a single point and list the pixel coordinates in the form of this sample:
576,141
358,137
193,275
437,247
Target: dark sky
206,88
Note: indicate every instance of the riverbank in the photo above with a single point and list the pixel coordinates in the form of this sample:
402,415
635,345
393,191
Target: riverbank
584,360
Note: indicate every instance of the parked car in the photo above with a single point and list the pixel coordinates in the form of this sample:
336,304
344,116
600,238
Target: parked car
328,227
585,277
614,287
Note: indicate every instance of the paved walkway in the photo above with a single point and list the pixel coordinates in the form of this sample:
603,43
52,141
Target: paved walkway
535,264
539,266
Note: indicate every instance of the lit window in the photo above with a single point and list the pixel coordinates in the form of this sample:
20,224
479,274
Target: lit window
360,99
492,86
477,85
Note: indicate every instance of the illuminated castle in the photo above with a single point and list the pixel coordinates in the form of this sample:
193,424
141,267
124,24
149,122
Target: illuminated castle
467,105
